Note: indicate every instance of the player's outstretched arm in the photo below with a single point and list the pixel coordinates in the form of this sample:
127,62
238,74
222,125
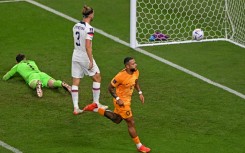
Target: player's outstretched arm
10,73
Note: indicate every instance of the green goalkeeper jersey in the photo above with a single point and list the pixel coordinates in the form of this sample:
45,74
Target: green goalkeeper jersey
25,68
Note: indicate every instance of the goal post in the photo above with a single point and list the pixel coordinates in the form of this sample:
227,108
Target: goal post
133,21
219,19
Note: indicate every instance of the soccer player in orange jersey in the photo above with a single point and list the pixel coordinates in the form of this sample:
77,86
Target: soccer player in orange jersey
121,89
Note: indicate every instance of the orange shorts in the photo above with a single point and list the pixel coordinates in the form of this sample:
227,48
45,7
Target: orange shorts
125,112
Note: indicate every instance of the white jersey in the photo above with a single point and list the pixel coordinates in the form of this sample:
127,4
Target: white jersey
81,32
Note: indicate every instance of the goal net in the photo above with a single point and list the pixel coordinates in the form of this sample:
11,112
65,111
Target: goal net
176,19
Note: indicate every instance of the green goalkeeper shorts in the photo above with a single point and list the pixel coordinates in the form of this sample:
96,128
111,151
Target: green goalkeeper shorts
43,77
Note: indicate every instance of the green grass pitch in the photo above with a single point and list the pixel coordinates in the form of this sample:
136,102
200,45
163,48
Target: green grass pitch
181,114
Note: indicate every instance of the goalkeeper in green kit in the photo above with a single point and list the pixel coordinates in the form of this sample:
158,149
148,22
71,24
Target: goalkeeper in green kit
33,76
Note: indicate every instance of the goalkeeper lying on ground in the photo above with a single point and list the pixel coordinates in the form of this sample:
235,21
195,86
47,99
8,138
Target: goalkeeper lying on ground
33,76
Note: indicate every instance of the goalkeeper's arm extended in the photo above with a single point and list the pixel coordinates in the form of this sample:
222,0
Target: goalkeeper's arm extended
10,73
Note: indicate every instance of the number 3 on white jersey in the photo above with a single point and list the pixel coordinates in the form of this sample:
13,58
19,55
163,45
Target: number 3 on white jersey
78,38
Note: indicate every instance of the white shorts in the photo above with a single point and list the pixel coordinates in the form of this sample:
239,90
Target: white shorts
79,69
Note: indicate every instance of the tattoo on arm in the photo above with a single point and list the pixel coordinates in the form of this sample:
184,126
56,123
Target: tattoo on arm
111,89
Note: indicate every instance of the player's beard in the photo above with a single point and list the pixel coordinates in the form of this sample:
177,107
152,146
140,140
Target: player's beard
133,69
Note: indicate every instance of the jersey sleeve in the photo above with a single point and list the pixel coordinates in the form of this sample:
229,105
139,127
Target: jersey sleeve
116,80
10,73
90,33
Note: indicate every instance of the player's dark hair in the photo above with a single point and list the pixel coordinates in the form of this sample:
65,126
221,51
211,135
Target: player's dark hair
127,59
87,11
20,57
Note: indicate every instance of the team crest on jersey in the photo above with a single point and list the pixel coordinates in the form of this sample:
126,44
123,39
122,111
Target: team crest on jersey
128,113
114,81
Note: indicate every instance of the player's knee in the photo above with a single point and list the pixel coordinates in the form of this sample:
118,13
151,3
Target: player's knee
97,77
117,119
130,122
113,117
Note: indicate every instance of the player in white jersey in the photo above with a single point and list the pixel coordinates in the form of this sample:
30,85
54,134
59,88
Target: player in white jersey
83,62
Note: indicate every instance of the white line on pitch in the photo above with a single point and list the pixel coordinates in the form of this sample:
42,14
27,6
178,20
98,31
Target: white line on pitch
11,1
5,145
142,51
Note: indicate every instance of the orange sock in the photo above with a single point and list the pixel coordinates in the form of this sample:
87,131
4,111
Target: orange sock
136,140
101,111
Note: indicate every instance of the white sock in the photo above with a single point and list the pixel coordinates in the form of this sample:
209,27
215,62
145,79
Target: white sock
74,94
96,109
138,145
96,92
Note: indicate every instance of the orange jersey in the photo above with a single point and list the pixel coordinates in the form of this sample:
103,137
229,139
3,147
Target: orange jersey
124,84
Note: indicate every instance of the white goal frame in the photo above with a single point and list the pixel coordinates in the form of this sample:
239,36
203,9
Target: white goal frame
229,22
